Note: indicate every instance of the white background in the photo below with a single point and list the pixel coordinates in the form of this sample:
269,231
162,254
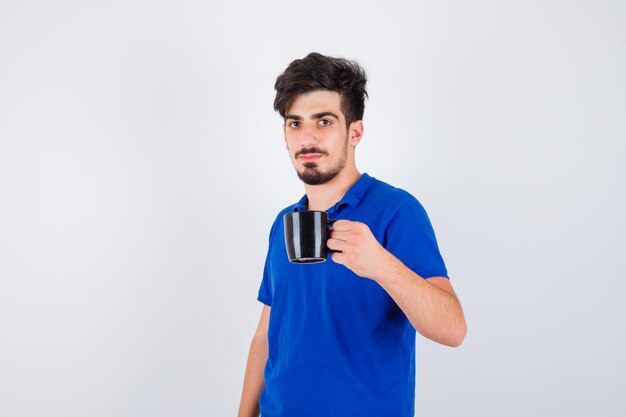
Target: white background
142,164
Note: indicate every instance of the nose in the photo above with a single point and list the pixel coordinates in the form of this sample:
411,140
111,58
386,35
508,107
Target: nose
308,135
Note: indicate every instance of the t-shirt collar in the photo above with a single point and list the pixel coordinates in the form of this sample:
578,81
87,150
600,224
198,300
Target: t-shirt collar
351,197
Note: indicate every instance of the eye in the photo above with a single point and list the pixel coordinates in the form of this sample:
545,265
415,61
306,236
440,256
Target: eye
325,122
294,124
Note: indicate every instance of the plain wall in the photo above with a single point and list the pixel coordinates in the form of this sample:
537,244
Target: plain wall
142,164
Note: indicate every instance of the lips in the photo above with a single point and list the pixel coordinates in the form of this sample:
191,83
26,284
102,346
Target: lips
310,157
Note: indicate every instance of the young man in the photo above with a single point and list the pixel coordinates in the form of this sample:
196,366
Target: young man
338,338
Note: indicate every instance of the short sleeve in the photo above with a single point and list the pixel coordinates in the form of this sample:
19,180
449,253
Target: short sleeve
266,290
410,237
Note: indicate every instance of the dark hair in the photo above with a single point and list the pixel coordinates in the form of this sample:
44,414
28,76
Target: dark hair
320,72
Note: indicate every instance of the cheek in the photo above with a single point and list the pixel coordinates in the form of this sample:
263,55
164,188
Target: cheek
291,149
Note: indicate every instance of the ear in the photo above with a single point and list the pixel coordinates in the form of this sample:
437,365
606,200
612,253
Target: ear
355,132
285,136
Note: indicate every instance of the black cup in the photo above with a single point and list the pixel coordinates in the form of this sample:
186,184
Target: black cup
306,233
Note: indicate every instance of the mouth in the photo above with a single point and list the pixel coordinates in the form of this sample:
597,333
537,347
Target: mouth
310,157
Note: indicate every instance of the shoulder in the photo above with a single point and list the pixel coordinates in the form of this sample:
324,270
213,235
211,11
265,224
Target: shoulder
392,199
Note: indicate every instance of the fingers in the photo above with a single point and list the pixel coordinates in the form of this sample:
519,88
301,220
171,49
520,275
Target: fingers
336,244
342,225
343,229
340,234
338,257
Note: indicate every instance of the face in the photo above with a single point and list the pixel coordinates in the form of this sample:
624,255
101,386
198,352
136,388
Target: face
319,142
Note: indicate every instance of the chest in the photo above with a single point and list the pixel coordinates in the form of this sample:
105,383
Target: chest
328,287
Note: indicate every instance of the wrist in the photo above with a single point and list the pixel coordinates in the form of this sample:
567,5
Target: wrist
388,268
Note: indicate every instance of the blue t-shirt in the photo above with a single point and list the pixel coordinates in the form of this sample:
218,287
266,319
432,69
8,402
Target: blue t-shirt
338,343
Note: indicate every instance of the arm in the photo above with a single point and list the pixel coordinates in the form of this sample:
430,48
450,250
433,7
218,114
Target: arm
253,381
430,305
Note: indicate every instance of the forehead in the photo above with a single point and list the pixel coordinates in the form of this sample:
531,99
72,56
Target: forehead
313,102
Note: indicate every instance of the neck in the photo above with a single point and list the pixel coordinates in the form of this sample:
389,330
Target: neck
324,196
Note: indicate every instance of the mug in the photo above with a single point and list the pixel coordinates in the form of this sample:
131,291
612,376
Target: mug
306,234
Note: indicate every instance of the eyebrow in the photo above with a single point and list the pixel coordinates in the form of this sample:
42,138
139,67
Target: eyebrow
314,116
